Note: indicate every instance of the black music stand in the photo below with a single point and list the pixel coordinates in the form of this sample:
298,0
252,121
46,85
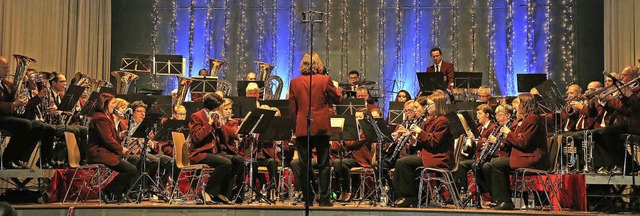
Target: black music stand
68,102
242,87
162,105
203,85
255,122
430,81
550,101
136,62
192,107
467,80
378,131
282,105
349,129
171,125
350,106
279,129
455,124
243,105
370,133
169,64
396,112
88,109
527,81
142,131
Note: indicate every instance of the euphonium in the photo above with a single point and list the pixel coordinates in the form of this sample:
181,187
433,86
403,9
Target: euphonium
264,70
587,148
214,67
570,154
123,80
19,90
183,87
270,93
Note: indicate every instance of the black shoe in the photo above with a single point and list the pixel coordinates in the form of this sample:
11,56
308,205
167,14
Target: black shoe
603,171
107,198
504,206
407,202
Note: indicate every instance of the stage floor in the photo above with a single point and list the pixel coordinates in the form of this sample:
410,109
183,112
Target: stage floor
280,209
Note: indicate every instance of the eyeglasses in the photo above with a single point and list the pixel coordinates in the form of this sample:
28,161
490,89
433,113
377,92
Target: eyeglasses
409,111
140,111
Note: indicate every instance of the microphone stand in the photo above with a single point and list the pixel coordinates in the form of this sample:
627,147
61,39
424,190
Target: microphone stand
310,17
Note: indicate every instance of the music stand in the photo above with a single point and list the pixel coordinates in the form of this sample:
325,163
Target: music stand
169,64
282,105
279,129
551,95
68,102
350,106
455,124
370,133
349,129
396,112
136,62
171,125
255,122
162,105
467,79
527,81
88,109
203,85
242,87
142,131
431,81
242,106
192,107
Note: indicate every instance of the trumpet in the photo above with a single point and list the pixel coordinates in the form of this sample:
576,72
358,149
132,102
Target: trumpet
570,154
587,148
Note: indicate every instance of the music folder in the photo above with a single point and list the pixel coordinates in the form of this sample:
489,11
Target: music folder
350,128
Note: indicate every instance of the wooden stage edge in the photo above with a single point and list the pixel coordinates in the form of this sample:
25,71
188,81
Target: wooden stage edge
279,209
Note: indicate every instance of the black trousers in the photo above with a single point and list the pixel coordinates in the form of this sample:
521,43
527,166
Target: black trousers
321,144
342,168
156,165
272,169
236,176
296,168
127,174
220,177
23,138
500,170
404,178
482,178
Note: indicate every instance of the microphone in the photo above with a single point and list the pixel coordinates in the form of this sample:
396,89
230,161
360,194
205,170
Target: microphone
607,74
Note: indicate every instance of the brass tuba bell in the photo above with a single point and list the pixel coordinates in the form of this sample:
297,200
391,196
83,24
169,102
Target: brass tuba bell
123,81
183,87
264,70
214,67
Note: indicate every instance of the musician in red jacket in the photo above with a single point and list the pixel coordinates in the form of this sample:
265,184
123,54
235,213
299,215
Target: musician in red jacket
443,67
323,93
528,144
205,130
435,141
105,148
484,114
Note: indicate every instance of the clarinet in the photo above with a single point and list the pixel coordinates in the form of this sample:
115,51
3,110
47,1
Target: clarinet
404,139
488,151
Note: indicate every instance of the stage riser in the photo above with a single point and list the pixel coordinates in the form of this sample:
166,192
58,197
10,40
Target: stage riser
258,212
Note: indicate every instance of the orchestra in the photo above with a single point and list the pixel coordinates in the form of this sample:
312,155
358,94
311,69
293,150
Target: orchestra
499,138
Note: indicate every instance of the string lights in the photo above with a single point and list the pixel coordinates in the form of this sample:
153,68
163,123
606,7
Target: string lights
191,31
529,30
243,39
510,38
344,37
380,36
173,25
547,41
435,24
154,33
292,39
327,35
454,36
474,25
225,35
567,41
363,36
399,70
274,32
261,31
208,34
490,34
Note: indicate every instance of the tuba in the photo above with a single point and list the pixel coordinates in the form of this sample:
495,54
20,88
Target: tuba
264,70
123,81
225,87
269,92
214,67
19,90
183,87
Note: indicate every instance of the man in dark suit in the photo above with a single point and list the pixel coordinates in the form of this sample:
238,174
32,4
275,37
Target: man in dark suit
323,93
445,68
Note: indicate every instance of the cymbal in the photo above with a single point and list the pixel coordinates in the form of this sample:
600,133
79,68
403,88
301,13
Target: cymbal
365,82
346,85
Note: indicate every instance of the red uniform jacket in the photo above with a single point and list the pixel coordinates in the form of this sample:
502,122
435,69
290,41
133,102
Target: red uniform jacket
204,137
6,98
323,93
628,110
597,112
229,138
104,145
436,142
446,70
528,143
483,137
